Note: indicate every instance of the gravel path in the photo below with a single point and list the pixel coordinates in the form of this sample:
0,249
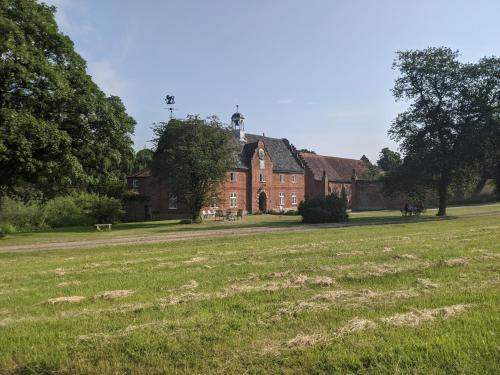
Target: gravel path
195,234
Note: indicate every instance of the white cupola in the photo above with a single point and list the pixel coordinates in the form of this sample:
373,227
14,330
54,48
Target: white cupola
238,125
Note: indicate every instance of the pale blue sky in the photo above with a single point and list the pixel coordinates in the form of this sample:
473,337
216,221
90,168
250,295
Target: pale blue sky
316,72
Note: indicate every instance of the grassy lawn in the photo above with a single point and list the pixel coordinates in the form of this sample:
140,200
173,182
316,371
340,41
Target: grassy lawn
421,298
171,226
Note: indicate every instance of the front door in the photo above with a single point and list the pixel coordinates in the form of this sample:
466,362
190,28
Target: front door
262,202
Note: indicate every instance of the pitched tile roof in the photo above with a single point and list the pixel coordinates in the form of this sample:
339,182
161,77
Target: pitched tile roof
337,169
278,150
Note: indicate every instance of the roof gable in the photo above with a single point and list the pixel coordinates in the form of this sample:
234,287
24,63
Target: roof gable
278,150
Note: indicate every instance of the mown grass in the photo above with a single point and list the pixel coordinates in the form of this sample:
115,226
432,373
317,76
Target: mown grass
173,226
323,301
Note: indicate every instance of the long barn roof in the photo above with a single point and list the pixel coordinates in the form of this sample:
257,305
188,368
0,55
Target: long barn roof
336,169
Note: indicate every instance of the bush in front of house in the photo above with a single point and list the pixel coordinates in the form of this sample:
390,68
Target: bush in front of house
16,215
323,209
78,209
68,211
106,209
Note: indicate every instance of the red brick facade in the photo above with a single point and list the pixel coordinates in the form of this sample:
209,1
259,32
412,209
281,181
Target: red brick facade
257,185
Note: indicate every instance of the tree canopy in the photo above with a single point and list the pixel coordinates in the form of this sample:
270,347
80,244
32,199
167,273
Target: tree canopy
193,156
59,131
388,159
450,129
142,159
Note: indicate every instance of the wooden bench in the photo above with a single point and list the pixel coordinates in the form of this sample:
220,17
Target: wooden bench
100,227
411,212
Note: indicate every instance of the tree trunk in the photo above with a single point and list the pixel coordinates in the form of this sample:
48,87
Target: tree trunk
443,197
195,214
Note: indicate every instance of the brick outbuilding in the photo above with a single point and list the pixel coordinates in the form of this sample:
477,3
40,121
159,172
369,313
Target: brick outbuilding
329,174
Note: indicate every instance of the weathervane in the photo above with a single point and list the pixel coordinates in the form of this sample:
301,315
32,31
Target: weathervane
170,100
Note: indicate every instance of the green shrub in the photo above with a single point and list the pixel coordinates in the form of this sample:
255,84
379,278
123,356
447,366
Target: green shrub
83,209
80,209
67,211
16,215
323,209
7,228
106,209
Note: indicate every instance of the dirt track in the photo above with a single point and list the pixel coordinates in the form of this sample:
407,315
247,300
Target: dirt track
196,234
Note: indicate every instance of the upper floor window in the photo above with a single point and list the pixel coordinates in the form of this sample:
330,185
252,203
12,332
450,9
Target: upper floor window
294,199
172,201
282,199
294,178
262,178
233,200
135,184
282,178
233,177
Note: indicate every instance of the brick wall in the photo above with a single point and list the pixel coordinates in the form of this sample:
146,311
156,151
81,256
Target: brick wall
239,187
368,195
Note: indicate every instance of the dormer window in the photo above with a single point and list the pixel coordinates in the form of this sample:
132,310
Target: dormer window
262,178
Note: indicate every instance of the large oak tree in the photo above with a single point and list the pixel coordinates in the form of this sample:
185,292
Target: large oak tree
450,130
58,131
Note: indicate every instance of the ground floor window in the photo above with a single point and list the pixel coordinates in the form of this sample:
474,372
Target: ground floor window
282,199
233,200
294,199
172,201
214,202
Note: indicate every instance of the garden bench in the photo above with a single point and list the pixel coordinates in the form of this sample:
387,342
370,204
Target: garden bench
231,216
208,214
411,212
100,227
219,214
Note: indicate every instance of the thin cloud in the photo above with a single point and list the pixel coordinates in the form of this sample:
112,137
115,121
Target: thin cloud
285,101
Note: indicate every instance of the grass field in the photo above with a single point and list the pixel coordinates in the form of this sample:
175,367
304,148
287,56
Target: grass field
173,226
420,297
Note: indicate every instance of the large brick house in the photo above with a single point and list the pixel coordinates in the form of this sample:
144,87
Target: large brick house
269,175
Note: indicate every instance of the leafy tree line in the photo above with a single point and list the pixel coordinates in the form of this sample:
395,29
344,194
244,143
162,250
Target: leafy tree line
450,132
58,131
